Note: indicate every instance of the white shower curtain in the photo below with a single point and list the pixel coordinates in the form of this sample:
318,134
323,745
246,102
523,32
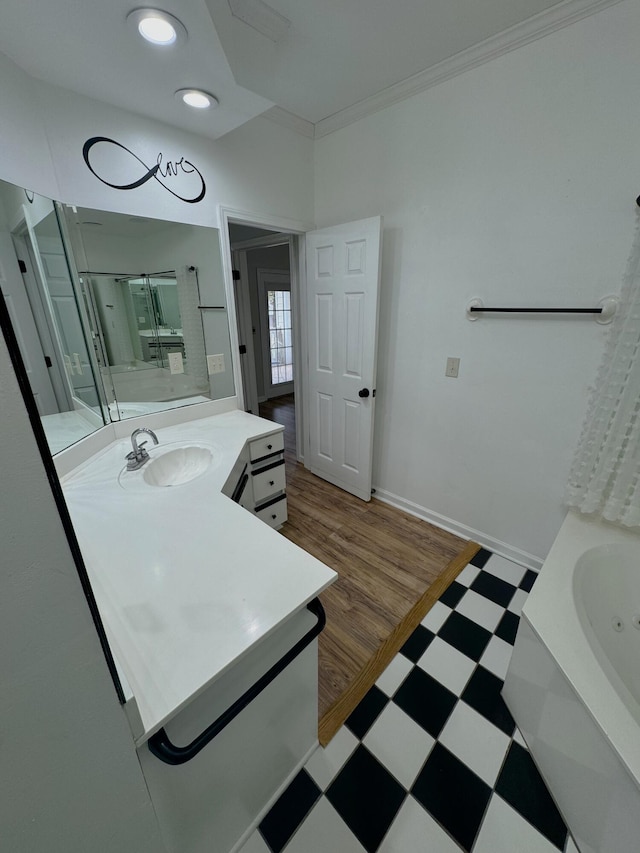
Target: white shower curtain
605,475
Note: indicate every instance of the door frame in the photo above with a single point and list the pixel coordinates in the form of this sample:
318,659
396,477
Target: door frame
33,284
263,276
245,331
295,229
243,307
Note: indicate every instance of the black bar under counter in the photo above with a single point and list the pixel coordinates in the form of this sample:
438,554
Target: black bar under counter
162,747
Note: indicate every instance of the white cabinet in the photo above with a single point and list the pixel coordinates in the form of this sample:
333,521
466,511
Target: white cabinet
209,803
262,449
268,481
258,481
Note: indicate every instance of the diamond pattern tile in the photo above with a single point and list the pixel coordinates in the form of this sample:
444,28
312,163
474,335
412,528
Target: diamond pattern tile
521,785
493,588
466,635
361,720
483,693
367,798
431,758
426,701
289,811
452,794
416,644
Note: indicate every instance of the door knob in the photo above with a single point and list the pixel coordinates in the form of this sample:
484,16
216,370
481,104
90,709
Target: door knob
363,392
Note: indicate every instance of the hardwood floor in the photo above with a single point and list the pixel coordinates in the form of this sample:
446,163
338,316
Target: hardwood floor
392,567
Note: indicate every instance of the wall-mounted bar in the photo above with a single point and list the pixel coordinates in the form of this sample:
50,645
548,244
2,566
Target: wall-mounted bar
212,307
129,274
602,313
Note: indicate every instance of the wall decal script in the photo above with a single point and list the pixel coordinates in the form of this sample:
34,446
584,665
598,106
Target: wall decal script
161,172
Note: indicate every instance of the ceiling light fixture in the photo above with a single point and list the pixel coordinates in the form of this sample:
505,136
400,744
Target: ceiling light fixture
157,27
197,98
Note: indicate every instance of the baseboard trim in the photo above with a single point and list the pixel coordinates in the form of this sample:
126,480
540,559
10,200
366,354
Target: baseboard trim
522,558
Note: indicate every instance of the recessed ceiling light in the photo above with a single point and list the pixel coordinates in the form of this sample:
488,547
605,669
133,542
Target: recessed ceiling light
197,98
157,27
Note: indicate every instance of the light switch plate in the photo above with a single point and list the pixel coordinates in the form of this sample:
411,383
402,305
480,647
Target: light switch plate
176,364
453,366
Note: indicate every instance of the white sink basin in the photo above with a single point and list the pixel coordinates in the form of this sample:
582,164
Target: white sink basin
177,466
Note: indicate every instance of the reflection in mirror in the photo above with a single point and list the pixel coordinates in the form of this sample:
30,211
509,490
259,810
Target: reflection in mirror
38,287
155,301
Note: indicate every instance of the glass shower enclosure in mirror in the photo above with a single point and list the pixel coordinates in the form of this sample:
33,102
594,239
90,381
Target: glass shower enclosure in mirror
37,284
154,294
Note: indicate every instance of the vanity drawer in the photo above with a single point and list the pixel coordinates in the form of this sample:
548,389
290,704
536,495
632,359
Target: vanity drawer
268,481
266,446
274,513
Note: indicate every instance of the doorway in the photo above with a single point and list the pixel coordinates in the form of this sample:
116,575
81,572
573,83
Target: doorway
264,297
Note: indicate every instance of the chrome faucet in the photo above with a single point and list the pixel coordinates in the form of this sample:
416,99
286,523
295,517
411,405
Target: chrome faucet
139,455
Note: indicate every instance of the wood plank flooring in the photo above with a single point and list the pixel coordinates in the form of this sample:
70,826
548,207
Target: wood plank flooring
391,567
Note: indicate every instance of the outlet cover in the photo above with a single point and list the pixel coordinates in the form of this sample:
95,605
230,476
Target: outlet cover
215,363
176,364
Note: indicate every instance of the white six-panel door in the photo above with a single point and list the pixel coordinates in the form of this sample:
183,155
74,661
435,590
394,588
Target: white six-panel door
343,274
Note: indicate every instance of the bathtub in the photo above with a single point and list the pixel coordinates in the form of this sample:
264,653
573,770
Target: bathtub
573,684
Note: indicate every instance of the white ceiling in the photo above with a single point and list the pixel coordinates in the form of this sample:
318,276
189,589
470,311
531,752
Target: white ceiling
86,46
339,52
334,55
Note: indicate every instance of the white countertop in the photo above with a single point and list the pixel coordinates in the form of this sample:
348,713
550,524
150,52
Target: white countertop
187,582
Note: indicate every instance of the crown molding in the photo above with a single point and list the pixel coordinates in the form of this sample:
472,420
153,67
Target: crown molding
540,25
290,120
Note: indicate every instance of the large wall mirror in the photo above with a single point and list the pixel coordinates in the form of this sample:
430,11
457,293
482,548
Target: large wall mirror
116,316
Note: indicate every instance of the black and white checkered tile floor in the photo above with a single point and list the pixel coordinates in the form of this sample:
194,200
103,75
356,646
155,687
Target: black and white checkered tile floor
431,758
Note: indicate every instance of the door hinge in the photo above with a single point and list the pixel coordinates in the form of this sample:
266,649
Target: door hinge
235,275
22,265
243,349
48,361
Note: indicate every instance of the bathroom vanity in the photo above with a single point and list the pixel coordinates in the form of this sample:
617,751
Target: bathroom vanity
200,598
210,616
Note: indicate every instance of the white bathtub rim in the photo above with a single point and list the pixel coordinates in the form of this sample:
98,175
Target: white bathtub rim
551,604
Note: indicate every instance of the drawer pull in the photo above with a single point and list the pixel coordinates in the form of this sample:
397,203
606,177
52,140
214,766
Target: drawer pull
272,482
274,516
269,446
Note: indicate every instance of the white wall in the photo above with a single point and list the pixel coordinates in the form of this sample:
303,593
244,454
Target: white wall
25,157
70,779
516,183
261,166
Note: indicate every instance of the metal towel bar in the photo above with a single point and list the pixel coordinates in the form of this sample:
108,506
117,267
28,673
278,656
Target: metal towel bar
602,313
